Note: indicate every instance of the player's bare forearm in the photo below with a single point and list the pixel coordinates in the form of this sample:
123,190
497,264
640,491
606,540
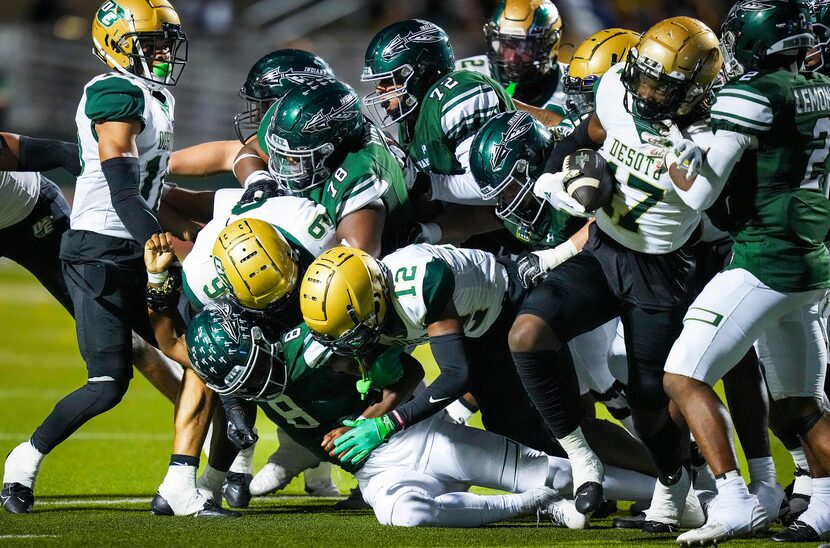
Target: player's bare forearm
249,159
170,341
547,117
399,392
460,222
580,237
363,229
204,159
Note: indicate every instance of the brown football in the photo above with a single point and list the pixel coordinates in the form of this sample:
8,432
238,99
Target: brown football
595,184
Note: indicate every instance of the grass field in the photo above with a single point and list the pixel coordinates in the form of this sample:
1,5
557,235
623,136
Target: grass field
95,488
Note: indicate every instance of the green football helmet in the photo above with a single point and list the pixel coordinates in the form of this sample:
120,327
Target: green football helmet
312,127
403,61
232,355
507,155
271,77
755,30
818,58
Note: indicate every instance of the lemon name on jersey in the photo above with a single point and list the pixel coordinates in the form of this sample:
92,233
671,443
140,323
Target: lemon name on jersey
812,99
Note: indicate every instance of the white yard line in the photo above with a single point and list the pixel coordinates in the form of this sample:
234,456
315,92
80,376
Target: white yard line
5,537
116,436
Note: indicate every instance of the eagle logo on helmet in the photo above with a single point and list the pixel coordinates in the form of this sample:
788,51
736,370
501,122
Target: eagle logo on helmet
515,129
308,76
428,34
320,120
756,6
228,323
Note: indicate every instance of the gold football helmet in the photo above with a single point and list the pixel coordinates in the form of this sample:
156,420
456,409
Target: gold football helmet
598,53
143,38
344,297
257,265
523,39
672,68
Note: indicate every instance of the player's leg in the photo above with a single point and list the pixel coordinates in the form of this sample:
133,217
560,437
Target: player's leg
283,465
794,354
102,297
573,298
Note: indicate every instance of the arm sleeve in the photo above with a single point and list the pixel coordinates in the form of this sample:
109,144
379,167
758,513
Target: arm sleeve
123,176
46,154
725,150
452,382
575,140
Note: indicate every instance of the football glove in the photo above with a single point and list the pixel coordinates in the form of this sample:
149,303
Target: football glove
260,186
239,430
533,266
365,436
551,187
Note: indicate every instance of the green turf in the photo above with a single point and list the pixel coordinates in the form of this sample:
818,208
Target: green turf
95,488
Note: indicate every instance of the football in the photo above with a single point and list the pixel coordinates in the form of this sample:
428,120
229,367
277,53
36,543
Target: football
595,183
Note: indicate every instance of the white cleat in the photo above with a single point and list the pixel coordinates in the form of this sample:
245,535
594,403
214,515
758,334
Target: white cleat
588,474
673,507
271,478
771,497
560,511
729,518
318,481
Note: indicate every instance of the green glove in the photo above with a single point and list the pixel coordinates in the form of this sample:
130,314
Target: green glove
365,436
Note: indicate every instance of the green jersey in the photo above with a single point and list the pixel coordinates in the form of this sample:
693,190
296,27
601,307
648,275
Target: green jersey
317,400
776,197
454,108
552,231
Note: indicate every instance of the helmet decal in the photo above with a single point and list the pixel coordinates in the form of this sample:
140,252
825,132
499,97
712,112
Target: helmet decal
227,322
514,130
109,13
429,33
308,76
756,6
320,120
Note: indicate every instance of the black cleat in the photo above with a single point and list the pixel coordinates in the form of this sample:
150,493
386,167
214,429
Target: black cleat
797,532
633,522
588,497
605,509
658,527
237,490
17,498
353,502
639,507
160,507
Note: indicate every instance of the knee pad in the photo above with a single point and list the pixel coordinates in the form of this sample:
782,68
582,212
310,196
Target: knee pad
106,393
804,424
411,508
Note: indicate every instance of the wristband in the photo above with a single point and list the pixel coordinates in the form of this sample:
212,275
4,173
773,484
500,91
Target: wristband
157,278
257,175
551,258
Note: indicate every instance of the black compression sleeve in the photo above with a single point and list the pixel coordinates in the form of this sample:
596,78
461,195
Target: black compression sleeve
123,175
46,154
452,382
577,139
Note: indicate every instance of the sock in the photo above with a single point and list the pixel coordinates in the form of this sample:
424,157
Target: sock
802,483
458,412
22,465
210,483
762,469
550,380
244,461
184,460
730,482
580,453
817,514
664,448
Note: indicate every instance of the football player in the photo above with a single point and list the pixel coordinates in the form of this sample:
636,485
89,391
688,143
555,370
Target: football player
310,393
522,39
768,121
438,110
636,263
322,148
125,131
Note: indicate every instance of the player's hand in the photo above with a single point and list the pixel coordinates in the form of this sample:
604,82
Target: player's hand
328,439
688,157
158,253
357,444
239,430
551,187
261,189
530,270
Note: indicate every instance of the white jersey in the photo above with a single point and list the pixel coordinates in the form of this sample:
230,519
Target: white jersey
646,214
114,96
480,64
303,223
19,192
421,277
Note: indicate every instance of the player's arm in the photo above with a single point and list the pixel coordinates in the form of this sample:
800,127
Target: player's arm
547,117
162,296
22,153
363,228
119,162
204,159
588,134
456,223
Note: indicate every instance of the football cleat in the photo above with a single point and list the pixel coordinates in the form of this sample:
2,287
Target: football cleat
271,478
322,490
772,498
798,504
237,490
588,475
560,511
160,507
674,506
631,522
353,502
729,517
17,498
605,509
798,531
